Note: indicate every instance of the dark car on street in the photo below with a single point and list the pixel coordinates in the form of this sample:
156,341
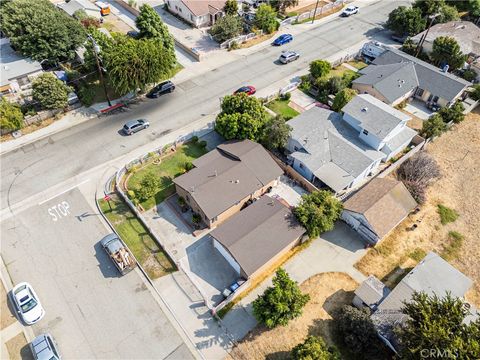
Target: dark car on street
282,39
249,90
162,88
134,126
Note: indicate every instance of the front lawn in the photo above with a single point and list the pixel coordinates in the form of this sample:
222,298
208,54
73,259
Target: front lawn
341,71
148,253
169,167
281,107
357,64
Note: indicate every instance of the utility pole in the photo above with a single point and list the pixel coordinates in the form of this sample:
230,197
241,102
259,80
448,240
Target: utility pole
422,40
315,12
96,50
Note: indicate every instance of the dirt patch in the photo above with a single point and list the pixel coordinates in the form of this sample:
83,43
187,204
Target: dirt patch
18,348
29,129
5,314
328,292
256,40
306,5
457,155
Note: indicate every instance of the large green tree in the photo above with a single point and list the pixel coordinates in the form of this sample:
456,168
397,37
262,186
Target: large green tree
11,117
275,133
438,324
342,98
314,348
50,92
226,28
266,19
445,50
406,21
429,7
447,13
151,26
318,211
242,117
281,302
132,64
282,5
231,7
319,68
39,30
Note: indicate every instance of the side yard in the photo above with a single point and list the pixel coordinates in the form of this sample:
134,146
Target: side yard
328,293
457,191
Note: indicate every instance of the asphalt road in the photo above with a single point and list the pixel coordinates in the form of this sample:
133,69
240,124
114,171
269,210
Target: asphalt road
40,165
91,311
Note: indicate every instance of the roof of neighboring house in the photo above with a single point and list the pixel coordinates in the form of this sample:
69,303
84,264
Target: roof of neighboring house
383,202
227,175
374,115
204,7
372,291
75,5
466,33
432,275
258,233
335,154
392,81
14,65
430,78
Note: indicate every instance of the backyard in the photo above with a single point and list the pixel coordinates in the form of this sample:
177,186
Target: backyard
328,293
169,167
280,107
448,222
148,253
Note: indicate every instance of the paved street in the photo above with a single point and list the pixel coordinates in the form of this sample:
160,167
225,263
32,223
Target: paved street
81,148
90,310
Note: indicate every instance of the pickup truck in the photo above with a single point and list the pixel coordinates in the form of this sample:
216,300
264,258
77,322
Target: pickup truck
119,253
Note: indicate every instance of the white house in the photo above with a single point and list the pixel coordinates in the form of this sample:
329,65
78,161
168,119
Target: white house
341,152
199,13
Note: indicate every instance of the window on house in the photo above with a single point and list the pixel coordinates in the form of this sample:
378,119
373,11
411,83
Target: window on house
365,132
301,166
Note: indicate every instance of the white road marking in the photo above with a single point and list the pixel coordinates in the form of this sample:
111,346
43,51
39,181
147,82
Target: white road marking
60,210
63,192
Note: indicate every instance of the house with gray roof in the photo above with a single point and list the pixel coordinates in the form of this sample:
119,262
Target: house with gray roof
432,275
72,6
225,179
257,236
375,210
370,293
341,152
395,76
17,71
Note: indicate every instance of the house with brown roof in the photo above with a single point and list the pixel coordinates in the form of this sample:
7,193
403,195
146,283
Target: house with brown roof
199,13
257,236
224,180
378,208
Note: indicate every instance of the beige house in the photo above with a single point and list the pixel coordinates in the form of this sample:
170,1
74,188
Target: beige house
199,13
395,76
224,180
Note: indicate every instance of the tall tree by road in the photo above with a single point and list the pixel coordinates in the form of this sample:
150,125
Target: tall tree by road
226,28
151,25
132,64
406,21
281,302
39,30
317,212
50,92
436,323
266,19
445,50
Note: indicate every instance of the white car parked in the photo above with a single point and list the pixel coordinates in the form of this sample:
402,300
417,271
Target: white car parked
27,303
350,10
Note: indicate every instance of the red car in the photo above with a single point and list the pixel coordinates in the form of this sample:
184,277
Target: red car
249,90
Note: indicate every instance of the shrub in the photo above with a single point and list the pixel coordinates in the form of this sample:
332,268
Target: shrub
342,99
148,187
447,215
469,75
314,347
196,219
50,92
335,84
434,126
131,194
188,166
202,144
475,94
452,114
417,173
234,46
86,94
452,250
286,96
181,201
11,117
194,139
417,254
319,68
226,28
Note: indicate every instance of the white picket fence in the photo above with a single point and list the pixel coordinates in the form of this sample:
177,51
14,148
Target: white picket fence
240,39
312,13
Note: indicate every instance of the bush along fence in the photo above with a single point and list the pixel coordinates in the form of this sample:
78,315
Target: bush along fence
337,5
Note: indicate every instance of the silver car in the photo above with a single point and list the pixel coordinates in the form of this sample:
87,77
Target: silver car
133,126
288,56
44,348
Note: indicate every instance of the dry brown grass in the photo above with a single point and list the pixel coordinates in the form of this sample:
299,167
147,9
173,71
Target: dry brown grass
457,153
328,292
6,316
18,348
256,40
29,129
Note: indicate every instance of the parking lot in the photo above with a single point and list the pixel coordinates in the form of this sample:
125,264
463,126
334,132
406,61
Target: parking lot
90,310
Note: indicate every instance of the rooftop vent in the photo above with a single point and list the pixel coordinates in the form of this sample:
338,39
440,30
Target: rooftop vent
365,109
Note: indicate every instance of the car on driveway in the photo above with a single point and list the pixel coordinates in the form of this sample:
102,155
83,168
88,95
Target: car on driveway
43,347
282,39
27,303
134,126
249,90
350,10
165,87
288,56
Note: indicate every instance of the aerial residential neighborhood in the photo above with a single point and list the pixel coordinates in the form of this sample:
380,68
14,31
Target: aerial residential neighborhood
240,179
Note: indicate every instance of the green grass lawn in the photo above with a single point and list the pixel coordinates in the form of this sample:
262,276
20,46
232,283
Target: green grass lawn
357,64
281,107
145,249
340,71
170,167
